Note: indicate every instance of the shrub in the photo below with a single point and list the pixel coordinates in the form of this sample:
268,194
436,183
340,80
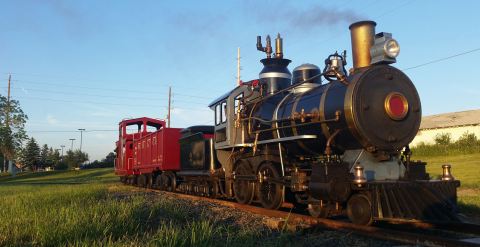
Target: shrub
443,139
468,143
467,139
61,166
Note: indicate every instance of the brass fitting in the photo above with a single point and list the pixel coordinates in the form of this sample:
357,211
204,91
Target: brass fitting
278,47
362,34
447,173
359,178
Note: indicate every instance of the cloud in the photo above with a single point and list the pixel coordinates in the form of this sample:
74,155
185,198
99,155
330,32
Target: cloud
304,19
51,120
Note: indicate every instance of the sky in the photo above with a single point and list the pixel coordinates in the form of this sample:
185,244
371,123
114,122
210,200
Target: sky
89,64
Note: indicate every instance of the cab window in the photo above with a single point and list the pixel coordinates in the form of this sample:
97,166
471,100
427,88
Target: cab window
218,115
238,105
224,112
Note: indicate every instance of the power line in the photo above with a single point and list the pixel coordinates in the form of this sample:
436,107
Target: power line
104,103
84,80
442,59
89,102
101,88
141,98
68,131
106,89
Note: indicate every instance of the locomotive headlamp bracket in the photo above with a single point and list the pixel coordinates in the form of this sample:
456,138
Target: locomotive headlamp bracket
385,49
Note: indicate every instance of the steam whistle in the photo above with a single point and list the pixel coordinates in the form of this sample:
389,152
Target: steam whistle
267,49
278,47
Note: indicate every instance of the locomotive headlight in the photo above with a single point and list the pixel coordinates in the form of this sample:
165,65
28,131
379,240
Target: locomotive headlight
385,49
391,48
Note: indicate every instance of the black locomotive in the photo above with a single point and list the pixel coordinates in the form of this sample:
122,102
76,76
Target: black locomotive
336,147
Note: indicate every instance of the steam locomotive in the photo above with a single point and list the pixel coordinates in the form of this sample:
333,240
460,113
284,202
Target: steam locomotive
334,148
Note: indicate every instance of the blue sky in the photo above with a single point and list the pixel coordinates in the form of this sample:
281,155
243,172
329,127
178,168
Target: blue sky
89,64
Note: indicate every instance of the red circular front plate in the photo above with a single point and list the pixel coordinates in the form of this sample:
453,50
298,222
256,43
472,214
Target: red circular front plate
396,106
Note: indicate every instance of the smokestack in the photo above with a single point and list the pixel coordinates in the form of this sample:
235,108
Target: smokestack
362,34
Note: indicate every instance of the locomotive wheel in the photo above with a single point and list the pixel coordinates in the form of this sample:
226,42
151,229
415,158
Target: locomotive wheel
166,182
243,189
359,209
149,181
172,182
271,194
142,181
160,182
318,210
213,187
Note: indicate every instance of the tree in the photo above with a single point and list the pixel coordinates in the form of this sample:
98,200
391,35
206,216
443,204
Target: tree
31,155
53,158
44,156
110,160
12,128
75,158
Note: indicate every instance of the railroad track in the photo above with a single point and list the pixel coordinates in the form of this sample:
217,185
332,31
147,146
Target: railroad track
405,232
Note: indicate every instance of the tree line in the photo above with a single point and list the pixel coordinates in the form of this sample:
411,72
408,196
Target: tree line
34,157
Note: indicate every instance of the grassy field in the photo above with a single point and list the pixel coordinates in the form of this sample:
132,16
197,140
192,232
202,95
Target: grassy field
88,207
465,168
91,208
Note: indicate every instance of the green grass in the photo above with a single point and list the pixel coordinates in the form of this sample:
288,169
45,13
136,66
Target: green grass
90,208
465,168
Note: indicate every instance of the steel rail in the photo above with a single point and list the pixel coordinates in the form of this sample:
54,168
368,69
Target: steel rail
458,227
400,236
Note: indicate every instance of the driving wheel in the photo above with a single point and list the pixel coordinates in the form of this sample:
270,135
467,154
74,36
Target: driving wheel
270,191
243,189
359,209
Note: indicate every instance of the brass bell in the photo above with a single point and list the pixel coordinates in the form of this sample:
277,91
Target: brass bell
447,173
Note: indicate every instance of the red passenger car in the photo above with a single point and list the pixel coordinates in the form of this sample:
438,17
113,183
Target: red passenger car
147,148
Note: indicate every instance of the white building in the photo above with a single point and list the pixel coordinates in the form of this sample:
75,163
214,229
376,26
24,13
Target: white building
455,123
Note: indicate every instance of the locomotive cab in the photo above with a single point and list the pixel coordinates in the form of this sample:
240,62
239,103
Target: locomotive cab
229,110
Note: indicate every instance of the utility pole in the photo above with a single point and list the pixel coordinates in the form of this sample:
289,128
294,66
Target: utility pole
72,139
169,105
7,120
238,66
81,138
8,99
62,146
